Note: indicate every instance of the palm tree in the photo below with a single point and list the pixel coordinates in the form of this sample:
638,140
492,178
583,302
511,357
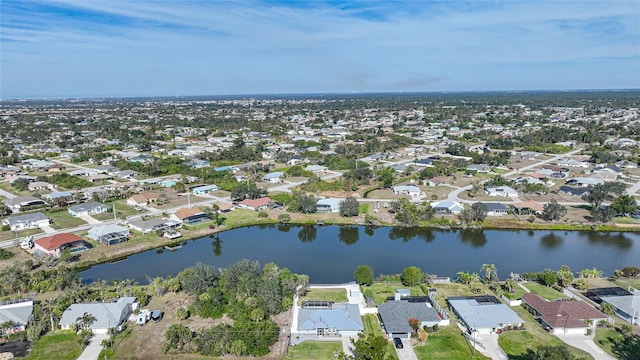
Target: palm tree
510,284
86,320
490,272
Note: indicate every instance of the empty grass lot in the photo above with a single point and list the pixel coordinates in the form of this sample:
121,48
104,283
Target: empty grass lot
516,343
335,295
314,350
63,345
544,291
446,344
382,290
63,220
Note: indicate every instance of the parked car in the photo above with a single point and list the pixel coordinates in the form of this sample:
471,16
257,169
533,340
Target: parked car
398,343
156,315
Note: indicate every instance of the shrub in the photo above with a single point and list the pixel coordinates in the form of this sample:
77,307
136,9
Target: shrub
263,214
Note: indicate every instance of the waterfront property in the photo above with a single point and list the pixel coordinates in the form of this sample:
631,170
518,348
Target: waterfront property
627,307
447,207
109,234
255,204
153,225
562,316
88,208
190,216
329,205
26,221
18,312
484,314
108,315
327,319
395,315
55,244
496,209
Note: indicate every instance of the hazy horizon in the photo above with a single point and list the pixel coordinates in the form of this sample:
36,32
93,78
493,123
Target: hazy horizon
89,49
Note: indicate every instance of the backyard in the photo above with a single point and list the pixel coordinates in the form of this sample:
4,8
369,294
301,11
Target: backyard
335,295
544,291
382,290
314,350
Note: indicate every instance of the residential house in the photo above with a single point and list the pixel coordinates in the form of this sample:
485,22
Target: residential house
627,307
57,195
413,191
399,168
496,209
18,312
108,315
483,314
428,162
563,317
447,207
255,204
505,191
395,316
40,185
584,181
478,168
273,178
88,208
329,320
84,172
626,164
329,205
55,244
573,163
109,234
297,160
317,169
579,192
142,199
199,164
529,207
20,202
26,221
204,189
190,216
108,169
153,225
126,174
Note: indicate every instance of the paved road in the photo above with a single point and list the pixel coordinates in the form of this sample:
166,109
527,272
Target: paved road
7,194
453,196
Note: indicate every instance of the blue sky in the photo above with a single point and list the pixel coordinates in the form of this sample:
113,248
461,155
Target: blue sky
91,48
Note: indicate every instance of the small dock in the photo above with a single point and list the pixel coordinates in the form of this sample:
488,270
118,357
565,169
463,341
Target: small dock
173,248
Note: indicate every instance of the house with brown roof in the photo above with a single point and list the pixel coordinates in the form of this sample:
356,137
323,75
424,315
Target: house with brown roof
567,317
54,245
529,207
142,199
255,204
190,216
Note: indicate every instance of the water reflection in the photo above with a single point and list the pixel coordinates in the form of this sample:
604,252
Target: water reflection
284,228
404,233
476,237
551,240
618,240
307,233
369,230
217,246
349,235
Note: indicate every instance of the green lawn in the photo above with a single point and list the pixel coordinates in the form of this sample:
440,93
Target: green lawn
63,220
448,344
372,326
604,337
363,208
241,217
122,208
8,235
544,291
516,295
382,290
445,291
624,282
314,350
335,295
516,343
59,346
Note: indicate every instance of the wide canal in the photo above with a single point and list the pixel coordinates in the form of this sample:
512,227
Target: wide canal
330,254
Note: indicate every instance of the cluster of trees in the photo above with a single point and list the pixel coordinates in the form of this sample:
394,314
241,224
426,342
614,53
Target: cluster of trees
247,191
411,214
606,191
247,293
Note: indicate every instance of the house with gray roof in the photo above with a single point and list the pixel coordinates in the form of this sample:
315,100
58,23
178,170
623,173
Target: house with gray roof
19,202
447,207
58,195
329,205
108,315
88,208
395,316
506,191
152,225
496,209
483,314
26,221
109,234
627,307
17,311
316,168
411,190
274,177
478,168
330,320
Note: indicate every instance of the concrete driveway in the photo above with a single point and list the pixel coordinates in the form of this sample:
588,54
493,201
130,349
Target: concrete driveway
92,351
406,353
490,346
586,343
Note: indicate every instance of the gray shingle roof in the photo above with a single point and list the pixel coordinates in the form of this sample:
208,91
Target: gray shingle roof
107,314
396,314
484,316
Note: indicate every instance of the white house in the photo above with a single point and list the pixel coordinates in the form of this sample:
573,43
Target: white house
411,190
26,221
447,207
108,315
329,205
505,191
274,177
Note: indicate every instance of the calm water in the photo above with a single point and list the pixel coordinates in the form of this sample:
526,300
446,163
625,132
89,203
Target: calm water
330,254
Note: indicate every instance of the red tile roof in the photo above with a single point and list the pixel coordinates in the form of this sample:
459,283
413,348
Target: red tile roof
256,203
55,241
567,314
